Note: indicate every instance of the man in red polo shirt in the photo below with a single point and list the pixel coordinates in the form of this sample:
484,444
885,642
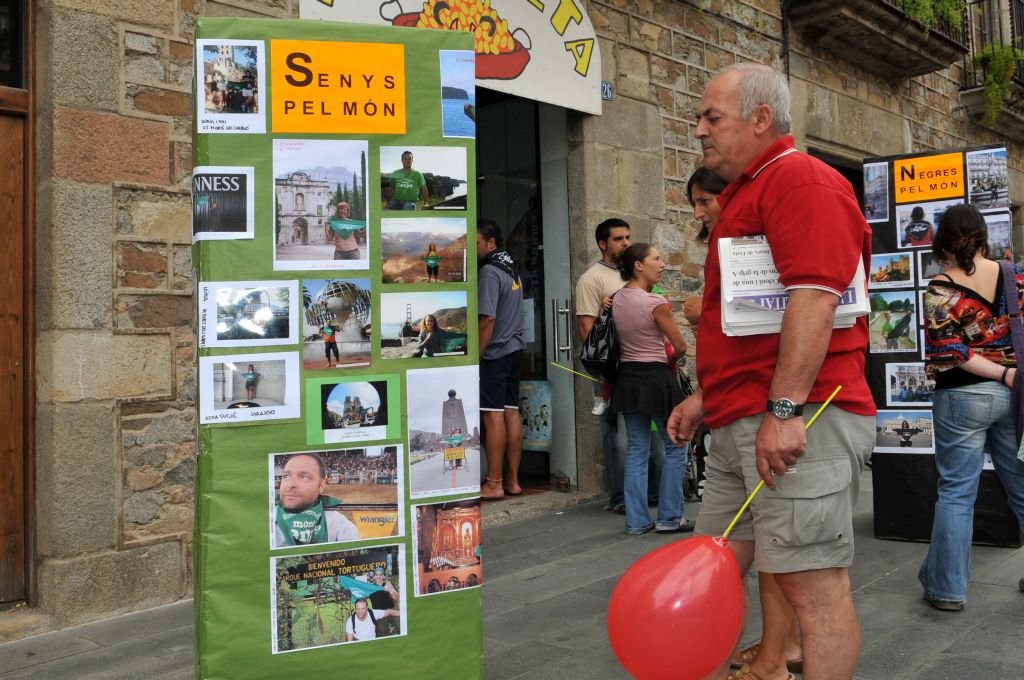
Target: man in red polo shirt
754,389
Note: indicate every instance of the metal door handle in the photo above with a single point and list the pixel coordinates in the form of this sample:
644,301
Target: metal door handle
567,348
554,328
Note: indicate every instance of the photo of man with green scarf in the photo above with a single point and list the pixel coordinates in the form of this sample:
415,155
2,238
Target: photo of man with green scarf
303,514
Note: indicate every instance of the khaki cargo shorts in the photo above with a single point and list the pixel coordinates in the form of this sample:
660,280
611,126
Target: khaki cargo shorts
807,522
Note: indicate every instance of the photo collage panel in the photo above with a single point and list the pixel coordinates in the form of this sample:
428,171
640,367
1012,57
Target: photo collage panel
359,276
905,199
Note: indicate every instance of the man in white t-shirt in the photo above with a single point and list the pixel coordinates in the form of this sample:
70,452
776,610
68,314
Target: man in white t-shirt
593,289
603,278
362,623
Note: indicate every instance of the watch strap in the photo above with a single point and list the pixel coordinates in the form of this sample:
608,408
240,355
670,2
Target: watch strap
798,409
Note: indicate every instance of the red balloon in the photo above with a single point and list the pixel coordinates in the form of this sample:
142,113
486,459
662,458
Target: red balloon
678,612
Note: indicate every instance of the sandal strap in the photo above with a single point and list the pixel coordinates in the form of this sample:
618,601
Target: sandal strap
745,673
745,656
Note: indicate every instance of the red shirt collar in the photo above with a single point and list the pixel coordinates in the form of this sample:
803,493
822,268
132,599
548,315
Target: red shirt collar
779,148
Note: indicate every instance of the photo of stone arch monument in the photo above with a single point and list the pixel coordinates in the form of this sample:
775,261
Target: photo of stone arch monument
320,211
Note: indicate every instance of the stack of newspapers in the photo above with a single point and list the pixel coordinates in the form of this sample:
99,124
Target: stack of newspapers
753,300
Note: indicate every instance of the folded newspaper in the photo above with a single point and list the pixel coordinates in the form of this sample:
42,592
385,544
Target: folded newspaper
753,299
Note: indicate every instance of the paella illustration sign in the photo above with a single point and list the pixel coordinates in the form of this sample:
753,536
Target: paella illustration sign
546,51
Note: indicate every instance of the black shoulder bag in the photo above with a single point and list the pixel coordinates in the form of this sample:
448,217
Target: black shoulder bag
600,352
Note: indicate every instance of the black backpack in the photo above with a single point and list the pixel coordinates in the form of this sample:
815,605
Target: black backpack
600,352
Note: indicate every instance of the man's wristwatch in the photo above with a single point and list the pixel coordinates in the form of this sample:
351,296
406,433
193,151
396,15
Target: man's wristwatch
784,408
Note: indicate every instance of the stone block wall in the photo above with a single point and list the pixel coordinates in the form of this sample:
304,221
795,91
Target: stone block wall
849,107
849,113
115,450
659,54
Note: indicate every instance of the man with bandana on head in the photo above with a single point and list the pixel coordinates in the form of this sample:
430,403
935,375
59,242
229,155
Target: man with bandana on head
500,323
303,515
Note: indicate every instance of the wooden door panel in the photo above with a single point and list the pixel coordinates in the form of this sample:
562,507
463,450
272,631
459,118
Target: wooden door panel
13,394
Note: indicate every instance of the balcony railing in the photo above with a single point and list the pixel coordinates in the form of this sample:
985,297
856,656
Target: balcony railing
994,25
940,25
879,36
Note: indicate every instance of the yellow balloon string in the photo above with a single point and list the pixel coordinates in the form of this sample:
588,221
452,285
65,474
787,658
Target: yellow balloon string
758,487
582,375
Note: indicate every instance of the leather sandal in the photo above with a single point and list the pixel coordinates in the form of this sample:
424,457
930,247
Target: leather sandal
744,657
747,673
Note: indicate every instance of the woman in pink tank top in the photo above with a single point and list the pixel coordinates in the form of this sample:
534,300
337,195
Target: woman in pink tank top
646,389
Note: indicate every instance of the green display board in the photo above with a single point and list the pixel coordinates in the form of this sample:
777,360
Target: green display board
338,514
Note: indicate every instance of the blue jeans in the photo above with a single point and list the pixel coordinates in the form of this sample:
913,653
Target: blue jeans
965,419
654,467
615,460
670,495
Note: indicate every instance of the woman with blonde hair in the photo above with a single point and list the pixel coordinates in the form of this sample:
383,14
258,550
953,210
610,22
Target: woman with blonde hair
428,337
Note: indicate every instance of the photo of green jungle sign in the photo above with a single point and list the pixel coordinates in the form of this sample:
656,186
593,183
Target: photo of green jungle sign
337,533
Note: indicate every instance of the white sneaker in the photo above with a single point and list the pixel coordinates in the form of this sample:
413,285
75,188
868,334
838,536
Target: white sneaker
600,405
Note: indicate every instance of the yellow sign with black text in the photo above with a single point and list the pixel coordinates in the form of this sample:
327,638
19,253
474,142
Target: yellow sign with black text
338,87
374,523
928,178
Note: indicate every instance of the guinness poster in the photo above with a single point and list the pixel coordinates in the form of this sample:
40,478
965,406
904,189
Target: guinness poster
222,203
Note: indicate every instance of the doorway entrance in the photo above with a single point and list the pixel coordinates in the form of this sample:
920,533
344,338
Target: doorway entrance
522,185
15,309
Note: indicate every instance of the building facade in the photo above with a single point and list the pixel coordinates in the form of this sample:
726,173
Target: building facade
301,209
104,383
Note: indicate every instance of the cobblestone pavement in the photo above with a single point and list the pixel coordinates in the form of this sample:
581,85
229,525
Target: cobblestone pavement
547,583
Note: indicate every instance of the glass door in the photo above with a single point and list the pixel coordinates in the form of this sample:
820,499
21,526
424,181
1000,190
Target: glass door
521,186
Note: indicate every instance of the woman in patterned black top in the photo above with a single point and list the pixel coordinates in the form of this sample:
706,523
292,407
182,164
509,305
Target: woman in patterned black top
970,356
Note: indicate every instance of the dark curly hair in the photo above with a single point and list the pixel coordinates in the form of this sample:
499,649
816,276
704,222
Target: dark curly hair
630,256
961,235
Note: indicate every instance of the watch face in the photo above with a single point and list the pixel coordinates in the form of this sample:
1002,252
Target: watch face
783,408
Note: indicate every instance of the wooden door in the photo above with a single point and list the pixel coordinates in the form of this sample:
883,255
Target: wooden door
13,451
16,318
